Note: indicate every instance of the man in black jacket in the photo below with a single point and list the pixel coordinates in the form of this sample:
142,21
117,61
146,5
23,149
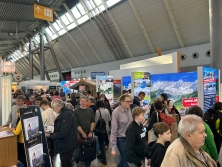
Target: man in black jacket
65,133
139,98
136,149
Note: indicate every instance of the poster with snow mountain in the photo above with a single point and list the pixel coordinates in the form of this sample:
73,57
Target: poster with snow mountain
181,88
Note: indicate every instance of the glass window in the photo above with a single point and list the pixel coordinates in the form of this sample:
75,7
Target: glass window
59,23
81,9
112,2
69,17
56,26
48,31
51,29
83,19
37,39
61,32
54,36
76,12
71,26
65,20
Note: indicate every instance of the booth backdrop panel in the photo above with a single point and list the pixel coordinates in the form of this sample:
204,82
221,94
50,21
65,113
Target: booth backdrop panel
178,86
6,97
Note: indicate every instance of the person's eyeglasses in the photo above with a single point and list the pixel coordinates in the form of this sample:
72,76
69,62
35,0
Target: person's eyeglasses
127,101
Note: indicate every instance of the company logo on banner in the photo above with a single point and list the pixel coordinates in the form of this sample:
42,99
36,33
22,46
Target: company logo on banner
93,74
8,66
188,102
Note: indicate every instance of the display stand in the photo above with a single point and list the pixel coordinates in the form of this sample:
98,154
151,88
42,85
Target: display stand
36,148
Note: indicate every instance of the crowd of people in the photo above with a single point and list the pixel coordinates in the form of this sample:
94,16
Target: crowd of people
75,118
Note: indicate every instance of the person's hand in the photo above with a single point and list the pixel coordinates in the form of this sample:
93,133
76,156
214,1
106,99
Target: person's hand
90,135
84,136
113,153
12,128
5,125
148,162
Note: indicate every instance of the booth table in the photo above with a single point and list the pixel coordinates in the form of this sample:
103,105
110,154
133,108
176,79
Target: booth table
8,150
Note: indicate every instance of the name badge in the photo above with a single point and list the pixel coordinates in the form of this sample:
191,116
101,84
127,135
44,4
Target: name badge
142,135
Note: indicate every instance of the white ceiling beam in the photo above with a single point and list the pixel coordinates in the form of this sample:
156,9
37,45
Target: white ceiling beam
172,19
64,43
117,29
70,52
22,68
71,38
97,30
84,35
142,26
63,56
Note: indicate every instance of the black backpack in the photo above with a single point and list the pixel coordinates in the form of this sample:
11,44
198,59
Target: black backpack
210,117
100,129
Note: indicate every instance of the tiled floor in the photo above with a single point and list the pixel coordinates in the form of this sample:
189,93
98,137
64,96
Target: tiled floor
110,160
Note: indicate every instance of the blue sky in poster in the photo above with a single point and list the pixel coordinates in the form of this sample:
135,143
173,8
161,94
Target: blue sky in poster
126,80
208,70
174,77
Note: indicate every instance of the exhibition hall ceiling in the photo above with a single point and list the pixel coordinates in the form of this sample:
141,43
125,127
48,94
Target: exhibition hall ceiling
99,31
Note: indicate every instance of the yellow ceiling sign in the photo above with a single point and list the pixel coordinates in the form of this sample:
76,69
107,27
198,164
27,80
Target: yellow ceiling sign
42,12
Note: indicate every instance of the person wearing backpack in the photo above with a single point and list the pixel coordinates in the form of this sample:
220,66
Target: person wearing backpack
209,145
103,121
159,116
213,118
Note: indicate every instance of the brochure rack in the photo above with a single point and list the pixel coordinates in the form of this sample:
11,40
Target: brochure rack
36,148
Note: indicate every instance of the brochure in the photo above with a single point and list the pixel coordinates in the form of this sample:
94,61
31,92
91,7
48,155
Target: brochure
6,134
49,129
31,127
36,155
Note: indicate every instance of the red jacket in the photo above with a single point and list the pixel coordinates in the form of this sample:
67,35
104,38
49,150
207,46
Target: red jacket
28,103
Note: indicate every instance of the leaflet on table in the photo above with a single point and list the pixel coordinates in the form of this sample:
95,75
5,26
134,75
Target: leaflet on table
49,129
36,155
31,127
6,134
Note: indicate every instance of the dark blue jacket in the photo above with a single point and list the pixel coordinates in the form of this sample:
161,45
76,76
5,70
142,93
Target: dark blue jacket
65,132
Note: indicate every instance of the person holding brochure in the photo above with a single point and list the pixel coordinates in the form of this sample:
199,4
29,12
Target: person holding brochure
12,119
65,133
18,131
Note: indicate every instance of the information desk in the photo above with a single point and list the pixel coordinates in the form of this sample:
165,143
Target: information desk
8,149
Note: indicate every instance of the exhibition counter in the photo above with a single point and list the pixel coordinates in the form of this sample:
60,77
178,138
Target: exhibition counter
8,147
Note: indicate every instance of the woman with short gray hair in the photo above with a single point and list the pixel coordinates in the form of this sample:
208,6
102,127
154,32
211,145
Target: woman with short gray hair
186,150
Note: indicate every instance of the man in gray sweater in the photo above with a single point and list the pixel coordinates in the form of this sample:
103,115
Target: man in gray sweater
121,118
12,118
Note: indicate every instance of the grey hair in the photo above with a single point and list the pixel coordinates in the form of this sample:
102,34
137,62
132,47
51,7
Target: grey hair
131,97
189,124
57,102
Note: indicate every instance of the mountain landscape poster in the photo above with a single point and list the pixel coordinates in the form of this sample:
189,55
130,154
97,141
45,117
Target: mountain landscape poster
181,88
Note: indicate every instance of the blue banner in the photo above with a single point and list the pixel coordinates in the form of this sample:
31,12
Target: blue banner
209,87
93,74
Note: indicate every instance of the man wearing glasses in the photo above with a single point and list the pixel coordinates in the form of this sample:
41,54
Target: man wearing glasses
121,118
65,133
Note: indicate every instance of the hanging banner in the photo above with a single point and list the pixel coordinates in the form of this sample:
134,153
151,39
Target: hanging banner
117,88
8,66
141,83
